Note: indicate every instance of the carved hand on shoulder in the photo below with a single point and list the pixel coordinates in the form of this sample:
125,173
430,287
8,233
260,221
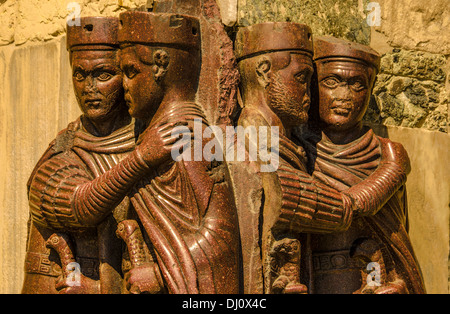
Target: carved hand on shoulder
156,143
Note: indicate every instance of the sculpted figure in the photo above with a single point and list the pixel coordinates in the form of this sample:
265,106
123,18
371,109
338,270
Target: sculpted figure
350,157
275,62
66,253
186,208
181,233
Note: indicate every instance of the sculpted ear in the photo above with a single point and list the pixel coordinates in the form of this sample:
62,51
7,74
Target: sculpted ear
161,61
263,67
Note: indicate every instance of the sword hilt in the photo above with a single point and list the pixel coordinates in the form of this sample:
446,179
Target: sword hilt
130,233
61,244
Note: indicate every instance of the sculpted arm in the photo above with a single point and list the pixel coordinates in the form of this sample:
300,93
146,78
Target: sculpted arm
63,195
372,194
310,206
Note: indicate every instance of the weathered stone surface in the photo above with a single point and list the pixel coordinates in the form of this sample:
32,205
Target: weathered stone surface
228,11
249,196
345,19
36,102
35,20
416,24
428,199
411,91
417,64
8,13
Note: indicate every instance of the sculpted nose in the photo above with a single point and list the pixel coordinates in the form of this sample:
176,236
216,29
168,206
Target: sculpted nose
343,92
125,84
307,97
89,85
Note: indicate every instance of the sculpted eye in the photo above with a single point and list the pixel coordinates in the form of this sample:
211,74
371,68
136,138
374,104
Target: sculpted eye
330,82
358,86
130,72
78,76
104,76
301,77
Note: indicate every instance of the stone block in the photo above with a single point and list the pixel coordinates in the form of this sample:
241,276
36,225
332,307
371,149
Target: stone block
411,91
416,24
417,64
228,11
345,19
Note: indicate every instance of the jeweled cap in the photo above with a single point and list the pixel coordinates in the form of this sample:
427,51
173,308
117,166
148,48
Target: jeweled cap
271,37
93,31
160,29
327,47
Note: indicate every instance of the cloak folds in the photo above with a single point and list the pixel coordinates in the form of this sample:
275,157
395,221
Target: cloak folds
188,213
344,166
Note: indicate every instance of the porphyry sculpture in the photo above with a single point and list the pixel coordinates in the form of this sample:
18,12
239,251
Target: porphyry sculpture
275,63
184,210
121,203
186,207
350,157
60,242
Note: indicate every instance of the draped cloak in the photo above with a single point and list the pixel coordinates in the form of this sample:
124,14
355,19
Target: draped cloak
188,213
344,166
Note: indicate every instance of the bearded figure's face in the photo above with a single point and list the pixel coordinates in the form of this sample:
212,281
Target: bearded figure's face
288,91
344,93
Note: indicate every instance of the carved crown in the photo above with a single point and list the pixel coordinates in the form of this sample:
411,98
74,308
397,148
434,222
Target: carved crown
160,29
270,37
93,31
327,47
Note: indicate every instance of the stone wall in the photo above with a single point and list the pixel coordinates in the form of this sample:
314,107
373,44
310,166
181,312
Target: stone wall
410,103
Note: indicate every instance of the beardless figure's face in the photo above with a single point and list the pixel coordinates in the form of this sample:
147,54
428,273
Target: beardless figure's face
97,81
344,93
288,91
143,94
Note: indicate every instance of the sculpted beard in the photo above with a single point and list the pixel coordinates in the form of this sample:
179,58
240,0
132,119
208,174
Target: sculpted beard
285,103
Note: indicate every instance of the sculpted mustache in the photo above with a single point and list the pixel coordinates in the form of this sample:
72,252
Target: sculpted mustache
341,103
89,96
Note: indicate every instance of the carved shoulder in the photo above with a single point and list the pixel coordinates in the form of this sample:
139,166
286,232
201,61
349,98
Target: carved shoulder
396,153
252,117
55,147
52,190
